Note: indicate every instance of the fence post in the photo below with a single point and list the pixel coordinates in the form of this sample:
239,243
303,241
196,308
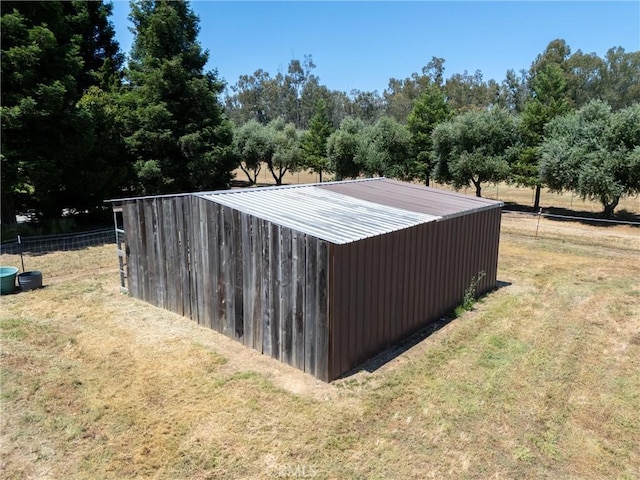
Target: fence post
538,223
20,250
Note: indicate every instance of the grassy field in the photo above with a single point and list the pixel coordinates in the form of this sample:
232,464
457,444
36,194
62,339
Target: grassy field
540,380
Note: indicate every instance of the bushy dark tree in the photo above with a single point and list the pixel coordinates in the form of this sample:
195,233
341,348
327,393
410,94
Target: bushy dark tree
52,54
179,135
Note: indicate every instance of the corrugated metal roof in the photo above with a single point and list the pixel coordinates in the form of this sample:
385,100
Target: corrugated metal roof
412,197
318,211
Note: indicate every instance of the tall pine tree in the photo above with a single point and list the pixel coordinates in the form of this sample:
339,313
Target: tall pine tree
314,144
180,137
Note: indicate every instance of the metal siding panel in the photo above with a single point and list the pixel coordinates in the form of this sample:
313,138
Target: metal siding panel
432,271
455,295
367,284
382,290
413,279
443,231
495,217
353,303
484,253
422,305
453,273
322,327
331,307
405,262
390,284
376,280
396,305
417,270
336,309
343,293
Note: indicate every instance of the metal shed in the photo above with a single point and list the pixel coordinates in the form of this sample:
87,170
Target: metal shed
320,276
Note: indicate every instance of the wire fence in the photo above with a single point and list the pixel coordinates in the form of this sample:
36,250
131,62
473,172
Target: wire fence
75,241
57,243
570,217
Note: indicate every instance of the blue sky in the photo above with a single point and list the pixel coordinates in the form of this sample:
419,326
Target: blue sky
360,45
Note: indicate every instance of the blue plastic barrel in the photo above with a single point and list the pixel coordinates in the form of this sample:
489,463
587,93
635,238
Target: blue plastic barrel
7,280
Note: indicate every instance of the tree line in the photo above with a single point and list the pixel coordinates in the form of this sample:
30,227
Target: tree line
80,126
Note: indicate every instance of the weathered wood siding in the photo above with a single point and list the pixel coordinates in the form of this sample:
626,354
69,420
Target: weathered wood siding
261,284
387,287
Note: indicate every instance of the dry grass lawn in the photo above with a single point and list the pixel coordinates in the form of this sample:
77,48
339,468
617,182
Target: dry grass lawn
541,380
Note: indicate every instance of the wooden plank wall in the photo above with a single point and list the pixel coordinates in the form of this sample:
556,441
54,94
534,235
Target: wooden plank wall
261,284
387,287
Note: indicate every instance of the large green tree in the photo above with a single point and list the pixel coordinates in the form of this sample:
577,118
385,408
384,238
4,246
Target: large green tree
387,149
254,146
179,134
287,154
467,92
314,141
346,148
549,100
621,78
476,147
400,95
52,54
595,153
429,110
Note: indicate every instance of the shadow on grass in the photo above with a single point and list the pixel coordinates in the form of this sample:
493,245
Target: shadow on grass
407,343
580,216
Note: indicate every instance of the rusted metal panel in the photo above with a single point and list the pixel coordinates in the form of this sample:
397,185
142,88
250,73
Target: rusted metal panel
322,310
389,286
411,197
